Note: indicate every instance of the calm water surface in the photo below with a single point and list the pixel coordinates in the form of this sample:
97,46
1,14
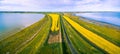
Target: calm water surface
12,20
109,17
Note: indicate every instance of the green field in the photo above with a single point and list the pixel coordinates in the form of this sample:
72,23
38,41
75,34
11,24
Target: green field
55,34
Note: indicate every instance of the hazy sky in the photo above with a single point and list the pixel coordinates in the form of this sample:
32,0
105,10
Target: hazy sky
59,5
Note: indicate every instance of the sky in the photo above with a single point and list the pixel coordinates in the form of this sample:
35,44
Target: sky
59,5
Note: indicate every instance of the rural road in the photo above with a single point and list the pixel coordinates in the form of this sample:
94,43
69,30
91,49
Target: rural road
34,35
94,38
73,50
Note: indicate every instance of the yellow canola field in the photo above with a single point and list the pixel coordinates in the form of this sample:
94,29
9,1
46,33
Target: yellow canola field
55,18
94,38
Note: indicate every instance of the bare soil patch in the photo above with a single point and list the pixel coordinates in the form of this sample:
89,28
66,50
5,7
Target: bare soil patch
54,38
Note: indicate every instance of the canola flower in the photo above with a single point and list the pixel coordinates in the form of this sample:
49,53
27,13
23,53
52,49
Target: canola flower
55,25
96,39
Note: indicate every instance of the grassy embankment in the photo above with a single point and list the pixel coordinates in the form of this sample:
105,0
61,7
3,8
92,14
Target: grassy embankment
106,31
22,38
80,44
53,44
38,42
66,48
97,40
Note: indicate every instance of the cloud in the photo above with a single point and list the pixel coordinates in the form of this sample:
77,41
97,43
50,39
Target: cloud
60,5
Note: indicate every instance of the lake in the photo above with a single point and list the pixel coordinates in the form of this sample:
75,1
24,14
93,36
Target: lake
9,21
108,17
